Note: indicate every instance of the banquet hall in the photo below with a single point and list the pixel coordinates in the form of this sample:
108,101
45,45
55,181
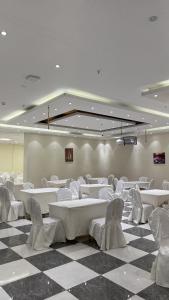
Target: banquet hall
84,150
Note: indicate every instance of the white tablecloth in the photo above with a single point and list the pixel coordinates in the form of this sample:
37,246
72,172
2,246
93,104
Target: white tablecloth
57,183
17,190
154,197
92,189
77,214
43,195
133,184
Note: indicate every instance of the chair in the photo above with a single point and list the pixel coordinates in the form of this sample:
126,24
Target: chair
140,212
44,231
2,180
75,189
111,180
124,178
81,180
86,177
106,193
44,182
28,185
11,209
10,186
151,184
67,184
115,182
107,231
54,177
165,185
119,187
143,179
159,224
64,194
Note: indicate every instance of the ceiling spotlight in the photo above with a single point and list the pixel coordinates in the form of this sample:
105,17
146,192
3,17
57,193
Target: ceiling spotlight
92,108
142,118
3,33
155,96
55,109
111,111
44,113
78,116
70,103
57,66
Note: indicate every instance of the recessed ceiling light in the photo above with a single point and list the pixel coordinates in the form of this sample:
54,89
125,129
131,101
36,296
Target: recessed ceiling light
111,111
128,115
55,109
97,119
78,116
92,108
142,118
44,113
3,33
66,120
70,103
155,96
153,18
57,66
34,117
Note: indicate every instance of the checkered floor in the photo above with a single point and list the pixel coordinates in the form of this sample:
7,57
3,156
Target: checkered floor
78,270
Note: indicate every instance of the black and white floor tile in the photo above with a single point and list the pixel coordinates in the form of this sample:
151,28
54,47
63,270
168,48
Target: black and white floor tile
78,269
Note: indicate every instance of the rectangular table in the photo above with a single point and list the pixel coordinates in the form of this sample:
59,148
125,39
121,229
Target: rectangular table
154,197
77,214
57,183
44,196
93,189
133,184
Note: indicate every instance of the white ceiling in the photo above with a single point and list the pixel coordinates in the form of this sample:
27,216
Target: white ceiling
113,36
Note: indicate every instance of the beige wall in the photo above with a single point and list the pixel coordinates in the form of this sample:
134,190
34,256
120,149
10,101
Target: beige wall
11,158
44,156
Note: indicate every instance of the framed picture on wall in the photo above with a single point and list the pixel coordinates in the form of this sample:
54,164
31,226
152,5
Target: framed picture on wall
159,158
68,154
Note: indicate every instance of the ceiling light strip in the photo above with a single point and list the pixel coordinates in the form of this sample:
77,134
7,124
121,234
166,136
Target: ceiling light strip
27,128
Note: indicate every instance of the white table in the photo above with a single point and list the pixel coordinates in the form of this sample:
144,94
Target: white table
77,214
96,180
133,184
44,196
92,189
57,183
154,197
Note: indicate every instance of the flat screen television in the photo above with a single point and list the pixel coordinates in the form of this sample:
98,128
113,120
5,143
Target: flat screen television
159,158
130,140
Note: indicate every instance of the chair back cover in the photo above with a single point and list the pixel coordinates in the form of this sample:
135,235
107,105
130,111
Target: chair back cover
106,193
165,185
81,180
54,177
10,186
111,179
159,224
75,189
4,203
151,183
33,208
114,237
64,194
44,182
137,206
124,178
119,186
28,185
115,182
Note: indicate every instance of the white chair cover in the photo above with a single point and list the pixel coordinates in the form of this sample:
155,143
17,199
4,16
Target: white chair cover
140,212
159,224
64,194
124,178
106,193
45,231
165,185
143,179
111,180
115,182
75,189
119,186
4,204
108,231
28,185
11,209
86,177
81,180
10,186
151,184
54,177
44,182
2,179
